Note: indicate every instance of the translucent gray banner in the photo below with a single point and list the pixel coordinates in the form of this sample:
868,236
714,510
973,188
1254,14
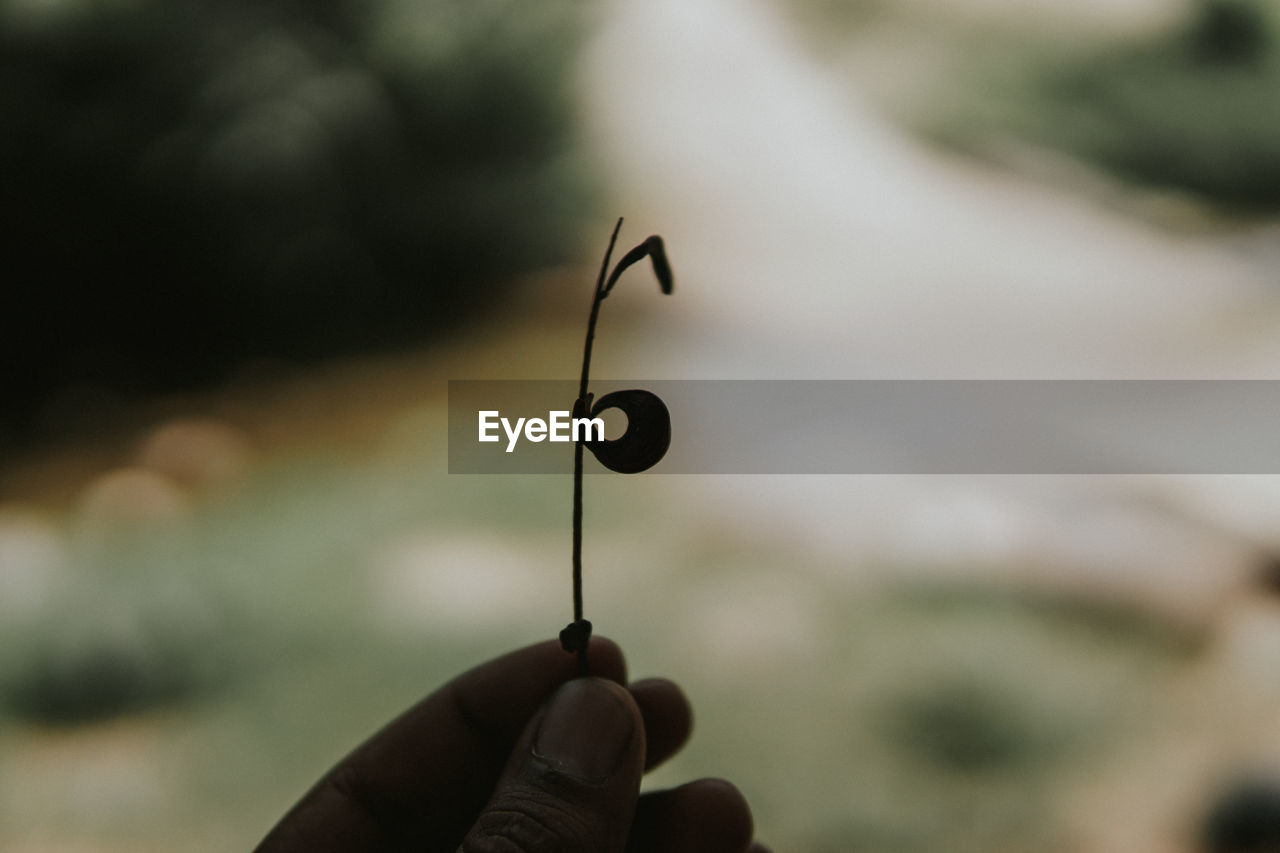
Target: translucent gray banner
890,426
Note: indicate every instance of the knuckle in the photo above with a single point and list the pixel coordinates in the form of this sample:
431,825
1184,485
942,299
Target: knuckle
529,823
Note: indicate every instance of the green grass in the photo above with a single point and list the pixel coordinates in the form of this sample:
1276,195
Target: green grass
1184,106
913,718
936,719
232,182
1189,110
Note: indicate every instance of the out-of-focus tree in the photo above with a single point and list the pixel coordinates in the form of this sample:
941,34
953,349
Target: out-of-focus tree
1189,108
192,183
1183,102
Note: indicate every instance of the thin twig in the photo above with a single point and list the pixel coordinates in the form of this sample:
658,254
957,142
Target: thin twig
581,409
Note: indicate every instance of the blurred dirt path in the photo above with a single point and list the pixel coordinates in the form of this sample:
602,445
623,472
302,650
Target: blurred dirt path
817,240
811,239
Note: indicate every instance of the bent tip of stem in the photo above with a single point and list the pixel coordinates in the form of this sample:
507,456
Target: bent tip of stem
661,267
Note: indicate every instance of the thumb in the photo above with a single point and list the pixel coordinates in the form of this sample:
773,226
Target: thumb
572,781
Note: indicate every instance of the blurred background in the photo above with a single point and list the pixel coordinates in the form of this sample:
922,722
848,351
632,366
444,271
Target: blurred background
249,243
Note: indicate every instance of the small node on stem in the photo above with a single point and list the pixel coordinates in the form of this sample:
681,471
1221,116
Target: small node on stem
575,635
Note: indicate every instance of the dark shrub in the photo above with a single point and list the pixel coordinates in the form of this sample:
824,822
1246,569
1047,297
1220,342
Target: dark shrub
192,183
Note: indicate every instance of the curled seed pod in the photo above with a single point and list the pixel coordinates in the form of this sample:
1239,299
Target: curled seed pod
648,432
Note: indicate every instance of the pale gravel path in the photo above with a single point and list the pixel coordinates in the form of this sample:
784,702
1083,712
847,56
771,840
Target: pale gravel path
803,221
814,240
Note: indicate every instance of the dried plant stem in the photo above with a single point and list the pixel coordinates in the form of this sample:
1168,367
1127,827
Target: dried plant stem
582,406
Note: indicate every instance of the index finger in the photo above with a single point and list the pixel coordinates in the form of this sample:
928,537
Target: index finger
421,780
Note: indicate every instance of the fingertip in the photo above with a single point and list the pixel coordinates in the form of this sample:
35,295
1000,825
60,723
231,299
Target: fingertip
663,692
606,660
589,722
668,718
704,816
572,780
724,805
722,799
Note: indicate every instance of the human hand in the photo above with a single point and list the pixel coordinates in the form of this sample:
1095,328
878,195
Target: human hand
518,756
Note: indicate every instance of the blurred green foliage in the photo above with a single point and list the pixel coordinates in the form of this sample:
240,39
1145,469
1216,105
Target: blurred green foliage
99,664
194,183
252,646
964,725
1245,817
1190,109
